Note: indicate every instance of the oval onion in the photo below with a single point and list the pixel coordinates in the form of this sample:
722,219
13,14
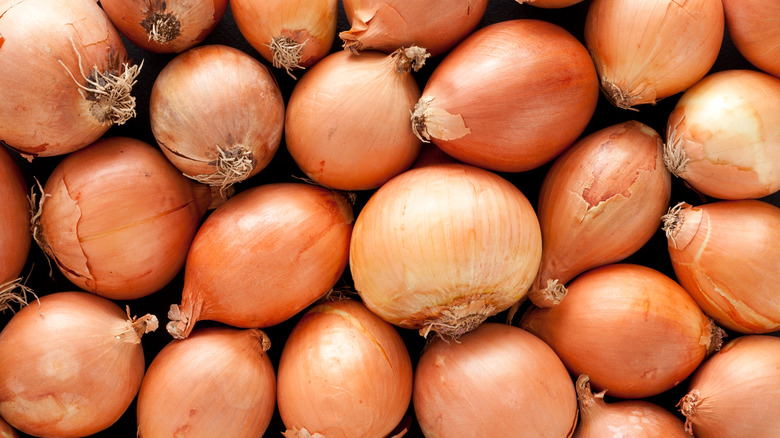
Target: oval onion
752,26
15,234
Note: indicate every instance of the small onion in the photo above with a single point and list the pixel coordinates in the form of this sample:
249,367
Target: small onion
723,137
550,4
510,97
71,366
752,26
217,382
15,234
343,373
497,380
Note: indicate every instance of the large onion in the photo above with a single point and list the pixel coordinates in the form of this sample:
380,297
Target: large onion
15,234
752,26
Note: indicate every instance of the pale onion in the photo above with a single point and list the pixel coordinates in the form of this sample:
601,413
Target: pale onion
347,121
71,366
290,34
165,26
217,382
497,380
444,246
627,418
726,256
631,329
646,50
117,218
15,236
217,114
752,26
550,4
263,256
736,392
65,74
386,25
723,137
6,431
510,97
343,373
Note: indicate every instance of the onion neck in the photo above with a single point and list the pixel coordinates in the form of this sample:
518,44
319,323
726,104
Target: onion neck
680,224
549,296
688,405
135,328
589,403
161,26
713,339
233,165
409,58
453,321
286,53
675,157
294,432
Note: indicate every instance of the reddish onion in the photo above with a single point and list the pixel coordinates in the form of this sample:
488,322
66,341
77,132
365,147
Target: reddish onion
497,380
15,234
510,97
75,367
752,26
217,382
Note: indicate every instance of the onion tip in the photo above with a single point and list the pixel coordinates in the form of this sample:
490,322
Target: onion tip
11,292
673,221
232,166
550,296
714,339
675,158
418,119
161,26
585,396
300,433
286,53
455,321
179,322
688,405
409,58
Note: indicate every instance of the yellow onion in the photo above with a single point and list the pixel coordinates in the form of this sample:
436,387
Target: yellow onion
165,26
263,256
117,218
631,329
510,97
347,121
752,26
343,373
217,382
386,25
444,246
723,137
726,256
646,50
71,365
550,4
217,114
15,234
65,74
6,431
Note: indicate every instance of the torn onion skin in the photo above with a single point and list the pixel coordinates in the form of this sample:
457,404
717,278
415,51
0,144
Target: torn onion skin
752,26
15,236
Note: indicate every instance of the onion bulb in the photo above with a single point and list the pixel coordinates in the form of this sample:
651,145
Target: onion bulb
217,382
646,50
343,373
263,256
631,329
443,247
72,365
723,137
752,26
65,74
510,97
550,4
725,255
497,380
15,234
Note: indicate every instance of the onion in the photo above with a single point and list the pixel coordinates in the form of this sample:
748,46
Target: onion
386,25
165,26
736,392
631,329
263,256
347,122
646,50
725,255
550,4
723,137
75,367
217,382
752,26
194,118
15,234
65,74
343,373
117,218
510,97
497,380
443,247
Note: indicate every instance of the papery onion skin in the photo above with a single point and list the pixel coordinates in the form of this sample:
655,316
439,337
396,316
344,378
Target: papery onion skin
550,4
75,367
723,136
217,382
497,380
752,26
15,237
631,329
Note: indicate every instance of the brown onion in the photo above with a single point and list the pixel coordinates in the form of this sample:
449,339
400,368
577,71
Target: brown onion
217,382
263,256
71,365
65,74
752,26
343,373
15,234
510,97
631,329
497,380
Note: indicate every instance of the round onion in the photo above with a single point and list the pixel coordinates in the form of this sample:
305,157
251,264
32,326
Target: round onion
723,137
752,26
65,74
15,234
497,380
631,329
217,382
510,97
71,366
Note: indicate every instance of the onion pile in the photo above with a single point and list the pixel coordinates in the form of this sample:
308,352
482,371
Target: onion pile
752,26
15,234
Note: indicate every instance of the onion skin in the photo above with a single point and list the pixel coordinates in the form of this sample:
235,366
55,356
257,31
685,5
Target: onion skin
752,26
343,373
497,380
217,382
631,329
15,237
